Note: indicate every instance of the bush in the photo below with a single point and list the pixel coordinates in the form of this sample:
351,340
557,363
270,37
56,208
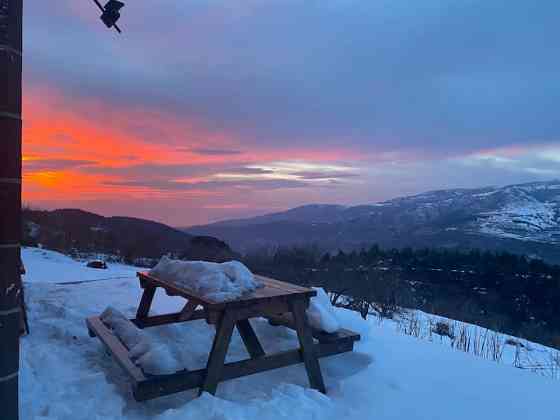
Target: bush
443,329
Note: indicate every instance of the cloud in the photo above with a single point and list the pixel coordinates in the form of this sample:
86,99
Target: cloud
38,165
325,175
147,170
211,152
448,78
172,185
174,170
246,170
281,103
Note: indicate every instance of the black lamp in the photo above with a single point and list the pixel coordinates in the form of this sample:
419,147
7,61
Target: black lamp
111,13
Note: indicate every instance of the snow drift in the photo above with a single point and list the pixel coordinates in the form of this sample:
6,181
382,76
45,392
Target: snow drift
321,313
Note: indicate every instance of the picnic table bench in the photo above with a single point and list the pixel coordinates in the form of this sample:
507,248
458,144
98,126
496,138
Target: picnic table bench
282,303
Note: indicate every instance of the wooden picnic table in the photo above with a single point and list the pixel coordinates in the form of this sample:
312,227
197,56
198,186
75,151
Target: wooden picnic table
282,303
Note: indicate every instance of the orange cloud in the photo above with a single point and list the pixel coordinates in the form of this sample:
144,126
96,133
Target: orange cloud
83,151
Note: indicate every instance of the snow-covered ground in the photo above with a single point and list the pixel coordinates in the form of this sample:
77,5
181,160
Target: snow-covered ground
480,341
46,266
65,374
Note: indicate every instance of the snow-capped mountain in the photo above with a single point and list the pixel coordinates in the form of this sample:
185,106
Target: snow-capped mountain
523,218
528,212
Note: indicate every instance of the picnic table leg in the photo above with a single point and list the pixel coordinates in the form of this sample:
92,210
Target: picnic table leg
188,310
250,339
24,320
307,348
217,357
146,302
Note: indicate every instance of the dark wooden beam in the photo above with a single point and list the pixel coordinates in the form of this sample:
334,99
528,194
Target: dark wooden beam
306,343
119,352
146,302
155,320
11,16
188,310
250,339
218,353
158,386
287,320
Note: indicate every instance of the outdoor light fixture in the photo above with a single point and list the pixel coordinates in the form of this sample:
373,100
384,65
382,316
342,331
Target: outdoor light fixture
110,13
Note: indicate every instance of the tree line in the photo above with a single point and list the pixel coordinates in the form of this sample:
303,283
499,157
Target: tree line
510,293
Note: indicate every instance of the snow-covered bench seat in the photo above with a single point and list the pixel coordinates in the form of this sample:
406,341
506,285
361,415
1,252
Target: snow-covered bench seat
282,303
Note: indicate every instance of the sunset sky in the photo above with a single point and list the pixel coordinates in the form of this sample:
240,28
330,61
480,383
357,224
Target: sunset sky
210,109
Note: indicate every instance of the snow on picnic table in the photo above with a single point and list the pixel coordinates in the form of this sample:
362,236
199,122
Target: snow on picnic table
66,375
218,282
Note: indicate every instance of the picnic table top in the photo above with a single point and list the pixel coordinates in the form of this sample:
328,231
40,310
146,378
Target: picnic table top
272,289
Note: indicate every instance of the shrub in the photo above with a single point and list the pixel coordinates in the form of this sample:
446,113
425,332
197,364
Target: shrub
443,329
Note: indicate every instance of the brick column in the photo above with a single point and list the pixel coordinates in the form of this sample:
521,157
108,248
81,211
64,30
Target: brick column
10,202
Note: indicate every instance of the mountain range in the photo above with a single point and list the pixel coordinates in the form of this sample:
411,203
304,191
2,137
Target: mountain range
74,230
522,218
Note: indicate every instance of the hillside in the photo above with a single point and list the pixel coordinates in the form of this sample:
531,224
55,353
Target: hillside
388,376
523,218
73,230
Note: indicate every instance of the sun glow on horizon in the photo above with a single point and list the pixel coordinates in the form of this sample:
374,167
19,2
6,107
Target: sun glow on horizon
75,151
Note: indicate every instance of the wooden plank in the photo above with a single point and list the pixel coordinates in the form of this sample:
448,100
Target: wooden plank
218,353
287,320
306,342
273,289
155,320
146,302
116,348
284,285
188,310
158,386
279,360
250,339
254,310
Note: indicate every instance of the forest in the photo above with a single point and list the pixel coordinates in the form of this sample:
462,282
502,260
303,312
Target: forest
509,293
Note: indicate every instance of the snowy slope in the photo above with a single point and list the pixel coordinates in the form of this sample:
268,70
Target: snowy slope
47,266
65,374
527,212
